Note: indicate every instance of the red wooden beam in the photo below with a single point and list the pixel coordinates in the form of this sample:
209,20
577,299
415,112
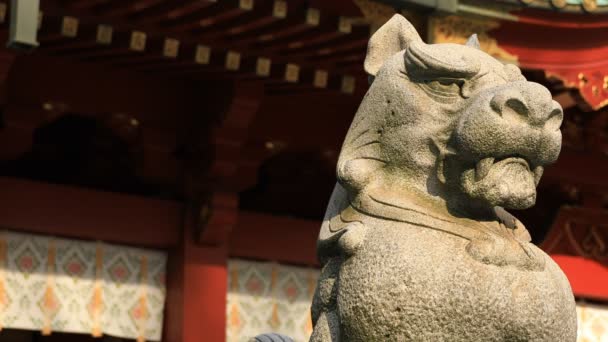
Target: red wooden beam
88,214
86,4
299,36
332,48
123,8
220,24
294,23
269,237
215,12
164,11
269,23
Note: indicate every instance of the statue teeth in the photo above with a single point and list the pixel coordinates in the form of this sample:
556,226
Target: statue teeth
483,168
538,172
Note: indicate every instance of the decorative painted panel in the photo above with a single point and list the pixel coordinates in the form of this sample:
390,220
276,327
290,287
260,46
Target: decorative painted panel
50,284
268,297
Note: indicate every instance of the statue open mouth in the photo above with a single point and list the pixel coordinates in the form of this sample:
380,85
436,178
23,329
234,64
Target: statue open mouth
509,182
483,167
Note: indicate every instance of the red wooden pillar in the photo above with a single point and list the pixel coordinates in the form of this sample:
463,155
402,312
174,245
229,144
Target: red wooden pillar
196,294
197,273
206,283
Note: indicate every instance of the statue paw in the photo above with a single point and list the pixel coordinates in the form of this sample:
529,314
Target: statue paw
352,239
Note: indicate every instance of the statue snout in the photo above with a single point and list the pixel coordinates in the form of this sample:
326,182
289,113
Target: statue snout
514,119
527,103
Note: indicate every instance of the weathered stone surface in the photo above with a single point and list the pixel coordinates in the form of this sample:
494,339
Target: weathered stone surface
416,245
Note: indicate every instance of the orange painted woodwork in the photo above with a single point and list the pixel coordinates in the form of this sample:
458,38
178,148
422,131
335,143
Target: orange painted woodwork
588,278
577,242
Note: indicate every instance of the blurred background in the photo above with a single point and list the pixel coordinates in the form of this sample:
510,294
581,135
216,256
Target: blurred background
165,164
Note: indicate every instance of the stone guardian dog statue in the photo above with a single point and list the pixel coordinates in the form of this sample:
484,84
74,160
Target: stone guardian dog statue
415,244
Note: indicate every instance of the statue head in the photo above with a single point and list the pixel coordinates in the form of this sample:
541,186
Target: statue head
450,123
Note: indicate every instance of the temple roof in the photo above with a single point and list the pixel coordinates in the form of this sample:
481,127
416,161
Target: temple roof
574,6
571,6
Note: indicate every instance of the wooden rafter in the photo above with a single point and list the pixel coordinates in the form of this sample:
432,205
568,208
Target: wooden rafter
124,8
295,22
85,4
215,12
299,35
166,10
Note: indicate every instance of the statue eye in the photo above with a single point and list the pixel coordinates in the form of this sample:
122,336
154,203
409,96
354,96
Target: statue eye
443,87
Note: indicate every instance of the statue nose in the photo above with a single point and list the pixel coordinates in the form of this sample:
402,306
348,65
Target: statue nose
529,103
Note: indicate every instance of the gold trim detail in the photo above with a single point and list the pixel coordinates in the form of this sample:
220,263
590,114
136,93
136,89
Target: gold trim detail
457,29
171,48
138,41
591,84
292,73
104,34
589,5
69,27
320,79
262,67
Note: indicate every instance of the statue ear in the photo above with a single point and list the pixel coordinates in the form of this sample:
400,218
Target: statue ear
473,42
395,35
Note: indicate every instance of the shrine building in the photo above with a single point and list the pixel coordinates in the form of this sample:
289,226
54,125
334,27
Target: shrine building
165,164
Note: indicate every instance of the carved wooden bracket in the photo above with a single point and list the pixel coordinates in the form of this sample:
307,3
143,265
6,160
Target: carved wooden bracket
578,243
231,134
215,190
217,216
579,232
